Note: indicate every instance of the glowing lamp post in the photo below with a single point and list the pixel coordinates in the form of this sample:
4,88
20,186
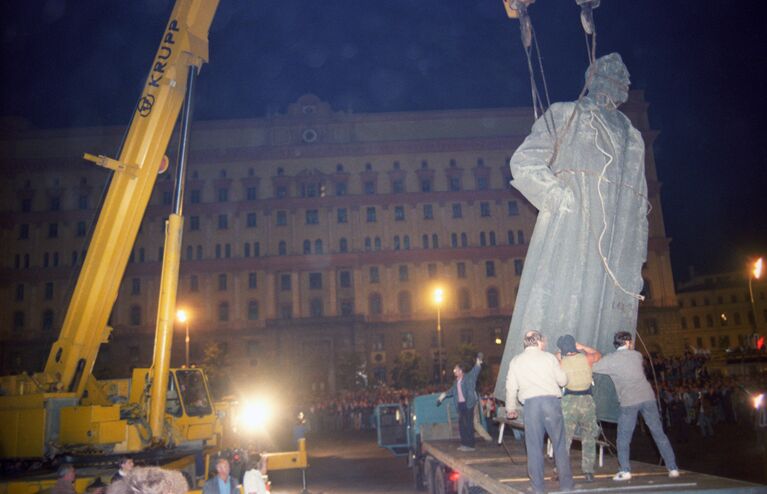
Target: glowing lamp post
438,299
183,317
756,273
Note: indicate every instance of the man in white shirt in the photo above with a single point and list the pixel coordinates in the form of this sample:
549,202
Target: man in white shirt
536,378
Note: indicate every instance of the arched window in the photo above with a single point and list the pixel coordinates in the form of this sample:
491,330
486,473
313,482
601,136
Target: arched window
464,240
406,242
492,298
253,310
375,304
453,240
318,246
464,299
377,243
404,304
482,239
199,252
510,237
367,243
396,242
47,320
307,246
434,241
425,241
492,238
189,252
282,248
343,245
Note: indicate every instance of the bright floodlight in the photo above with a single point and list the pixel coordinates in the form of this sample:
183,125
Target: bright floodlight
181,315
758,400
438,295
757,268
255,415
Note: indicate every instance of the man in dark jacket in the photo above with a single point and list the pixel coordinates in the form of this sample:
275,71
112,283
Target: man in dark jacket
464,393
222,483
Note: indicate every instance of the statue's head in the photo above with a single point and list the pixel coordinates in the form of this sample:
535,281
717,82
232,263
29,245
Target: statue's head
608,81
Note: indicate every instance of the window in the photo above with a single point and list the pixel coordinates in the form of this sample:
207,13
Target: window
135,288
425,241
428,212
24,230
696,322
53,230
374,304
341,188
454,184
26,205
135,315
251,220
490,269
396,242
218,251
736,318
199,252
684,323
466,336
252,281
315,281
368,244
341,215
434,241
379,342
343,246
315,307
369,187
403,274
375,276
461,269
709,320
454,240
282,248
491,237
223,222
457,211
246,249
492,298
251,194
482,183
398,186
431,269
47,320
345,279
464,299
196,196
307,246
281,191
318,246
510,237
426,185
310,190
399,213
18,320
48,291
513,208
82,201
464,240
407,340
406,242
520,237
256,249
404,304
377,243
223,312
286,311
285,282
484,209
371,215
282,218
194,223
518,265
55,203
222,282
482,239
252,310
194,283
19,292
312,217
223,195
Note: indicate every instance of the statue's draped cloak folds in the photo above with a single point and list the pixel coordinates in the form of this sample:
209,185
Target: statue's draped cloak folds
565,286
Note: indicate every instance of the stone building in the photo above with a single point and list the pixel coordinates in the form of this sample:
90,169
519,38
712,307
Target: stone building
309,236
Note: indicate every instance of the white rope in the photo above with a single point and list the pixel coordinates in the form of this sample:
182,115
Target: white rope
610,159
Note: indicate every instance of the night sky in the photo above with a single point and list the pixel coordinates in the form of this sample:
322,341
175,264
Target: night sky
702,66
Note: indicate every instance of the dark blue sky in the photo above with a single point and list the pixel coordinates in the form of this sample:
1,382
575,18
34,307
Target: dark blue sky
701,64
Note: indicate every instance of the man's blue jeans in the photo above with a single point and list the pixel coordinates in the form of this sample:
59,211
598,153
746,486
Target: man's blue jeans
543,414
466,424
627,421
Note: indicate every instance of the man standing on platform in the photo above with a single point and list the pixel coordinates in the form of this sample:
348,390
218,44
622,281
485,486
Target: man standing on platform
535,377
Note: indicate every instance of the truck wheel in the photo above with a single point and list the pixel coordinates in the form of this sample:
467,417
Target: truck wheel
440,480
428,472
419,475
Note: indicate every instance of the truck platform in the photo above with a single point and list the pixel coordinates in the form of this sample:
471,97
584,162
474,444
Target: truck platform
491,468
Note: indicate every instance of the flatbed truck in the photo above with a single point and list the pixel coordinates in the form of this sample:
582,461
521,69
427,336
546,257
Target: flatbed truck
428,435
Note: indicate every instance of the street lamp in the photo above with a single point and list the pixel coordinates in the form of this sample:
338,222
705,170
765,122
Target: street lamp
756,273
183,317
438,298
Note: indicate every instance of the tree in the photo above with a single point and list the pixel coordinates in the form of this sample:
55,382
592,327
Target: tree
213,363
408,372
352,372
467,354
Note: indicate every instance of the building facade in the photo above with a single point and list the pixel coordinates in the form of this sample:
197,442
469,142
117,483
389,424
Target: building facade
308,236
